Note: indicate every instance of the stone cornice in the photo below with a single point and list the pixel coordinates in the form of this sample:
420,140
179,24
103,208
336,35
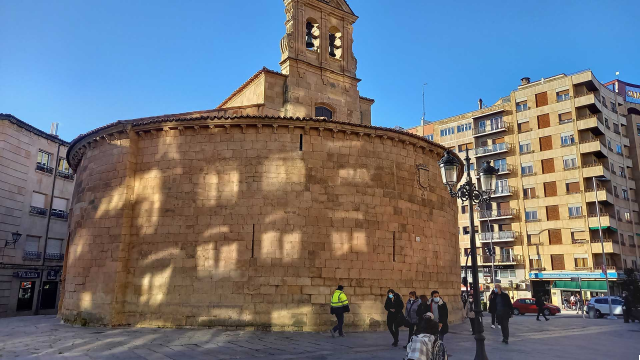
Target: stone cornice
154,127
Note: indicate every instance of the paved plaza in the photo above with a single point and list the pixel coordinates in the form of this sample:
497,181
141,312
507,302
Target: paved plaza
565,336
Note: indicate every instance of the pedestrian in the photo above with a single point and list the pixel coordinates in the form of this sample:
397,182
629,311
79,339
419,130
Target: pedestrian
579,304
565,302
573,302
540,305
627,308
504,311
468,313
339,306
440,312
394,306
426,322
492,308
411,313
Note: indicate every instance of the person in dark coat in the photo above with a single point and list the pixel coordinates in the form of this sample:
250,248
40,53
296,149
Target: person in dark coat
440,312
426,323
628,308
492,308
394,306
410,311
540,306
504,311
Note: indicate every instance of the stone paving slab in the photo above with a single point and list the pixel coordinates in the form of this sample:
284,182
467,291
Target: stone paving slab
565,336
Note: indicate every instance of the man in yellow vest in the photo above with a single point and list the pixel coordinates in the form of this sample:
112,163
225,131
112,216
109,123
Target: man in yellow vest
339,306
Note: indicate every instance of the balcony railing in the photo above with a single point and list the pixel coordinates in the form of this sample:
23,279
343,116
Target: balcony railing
492,149
538,268
582,268
579,241
44,168
66,174
503,259
597,241
31,255
608,267
38,211
504,190
54,256
59,214
498,236
488,214
490,128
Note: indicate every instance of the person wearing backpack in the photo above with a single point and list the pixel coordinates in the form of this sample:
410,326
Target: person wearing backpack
339,306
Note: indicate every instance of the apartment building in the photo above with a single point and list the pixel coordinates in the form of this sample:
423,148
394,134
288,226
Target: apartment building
36,185
561,145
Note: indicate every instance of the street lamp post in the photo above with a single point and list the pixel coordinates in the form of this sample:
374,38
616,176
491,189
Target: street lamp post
604,256
449,166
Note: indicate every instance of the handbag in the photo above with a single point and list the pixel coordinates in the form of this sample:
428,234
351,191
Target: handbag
401,320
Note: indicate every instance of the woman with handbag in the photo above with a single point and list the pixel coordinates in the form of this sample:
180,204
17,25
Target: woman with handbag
394,306
411,314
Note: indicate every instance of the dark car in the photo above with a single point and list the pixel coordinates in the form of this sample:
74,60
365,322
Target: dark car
528,306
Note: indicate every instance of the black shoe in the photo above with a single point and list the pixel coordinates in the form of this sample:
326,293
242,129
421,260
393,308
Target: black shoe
505,341
395,344
546,319
404,347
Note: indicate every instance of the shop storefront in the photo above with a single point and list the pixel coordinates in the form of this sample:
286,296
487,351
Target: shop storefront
555,285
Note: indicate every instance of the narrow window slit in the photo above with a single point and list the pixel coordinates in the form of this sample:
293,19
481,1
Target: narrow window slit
394,246
253,239
300,142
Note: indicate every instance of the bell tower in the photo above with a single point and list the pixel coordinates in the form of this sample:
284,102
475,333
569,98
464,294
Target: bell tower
317,56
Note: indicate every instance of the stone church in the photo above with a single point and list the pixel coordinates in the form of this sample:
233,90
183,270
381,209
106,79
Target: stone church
250,214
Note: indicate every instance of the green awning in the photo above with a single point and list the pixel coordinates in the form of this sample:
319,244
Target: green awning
586,285
637,234
605,228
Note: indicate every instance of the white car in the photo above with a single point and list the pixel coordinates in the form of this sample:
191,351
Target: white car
602,305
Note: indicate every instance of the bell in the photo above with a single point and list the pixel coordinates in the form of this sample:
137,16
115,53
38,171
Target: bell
309,37
332,45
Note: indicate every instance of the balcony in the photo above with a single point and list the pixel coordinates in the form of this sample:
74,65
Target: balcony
593,122
609,246
606,220
493,149
582,268
585,99
593,145
44,168
538,268
504,191
491,128
59,214
66,175
497,214
54,256
31,255
596,169
502,169
602,193
579,241
503,259
608,267
35,210
499,236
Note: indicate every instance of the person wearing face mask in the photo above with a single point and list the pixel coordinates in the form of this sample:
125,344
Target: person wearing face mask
440,312
394,306
411,313
504,311
468,313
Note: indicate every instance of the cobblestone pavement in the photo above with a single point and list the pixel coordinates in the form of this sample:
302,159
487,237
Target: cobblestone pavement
563,337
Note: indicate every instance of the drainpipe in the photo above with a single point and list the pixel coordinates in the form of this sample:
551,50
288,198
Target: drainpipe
46,233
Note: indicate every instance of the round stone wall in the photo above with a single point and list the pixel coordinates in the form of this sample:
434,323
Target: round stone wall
253,222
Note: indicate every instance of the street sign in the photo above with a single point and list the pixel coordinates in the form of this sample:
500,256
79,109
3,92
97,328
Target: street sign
26,274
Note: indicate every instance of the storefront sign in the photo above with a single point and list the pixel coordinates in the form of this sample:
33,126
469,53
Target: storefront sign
633,94
27,274
569,275
52,274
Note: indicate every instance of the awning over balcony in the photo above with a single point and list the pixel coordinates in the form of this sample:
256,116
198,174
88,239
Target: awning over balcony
605,228
586,285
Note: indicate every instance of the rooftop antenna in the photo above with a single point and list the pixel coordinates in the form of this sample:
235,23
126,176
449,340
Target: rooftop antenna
422,121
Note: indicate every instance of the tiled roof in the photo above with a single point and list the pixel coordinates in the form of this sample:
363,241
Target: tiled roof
14,120
366,98
247,83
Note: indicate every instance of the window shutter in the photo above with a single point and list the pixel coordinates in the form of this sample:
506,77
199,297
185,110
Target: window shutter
498,140
573,187
37,200
548,166
553,212
546,143
550,189
543,121
557,262
503,206
565,116
54,246
524,126
555,237
541,99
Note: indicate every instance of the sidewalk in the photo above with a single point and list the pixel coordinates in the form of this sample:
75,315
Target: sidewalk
566,336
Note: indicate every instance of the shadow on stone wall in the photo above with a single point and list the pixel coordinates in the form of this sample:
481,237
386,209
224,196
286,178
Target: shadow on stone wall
244,229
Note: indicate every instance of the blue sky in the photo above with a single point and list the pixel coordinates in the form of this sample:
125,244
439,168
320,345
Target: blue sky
87,63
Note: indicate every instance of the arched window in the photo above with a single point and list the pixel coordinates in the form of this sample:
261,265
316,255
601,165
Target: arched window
335,43
311,36
322,111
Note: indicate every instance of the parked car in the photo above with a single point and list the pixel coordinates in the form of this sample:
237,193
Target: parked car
602,305
528,306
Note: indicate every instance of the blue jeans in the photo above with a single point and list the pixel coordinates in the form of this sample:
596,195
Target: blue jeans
338,328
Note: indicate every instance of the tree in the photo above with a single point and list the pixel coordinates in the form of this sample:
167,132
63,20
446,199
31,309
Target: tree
631,285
